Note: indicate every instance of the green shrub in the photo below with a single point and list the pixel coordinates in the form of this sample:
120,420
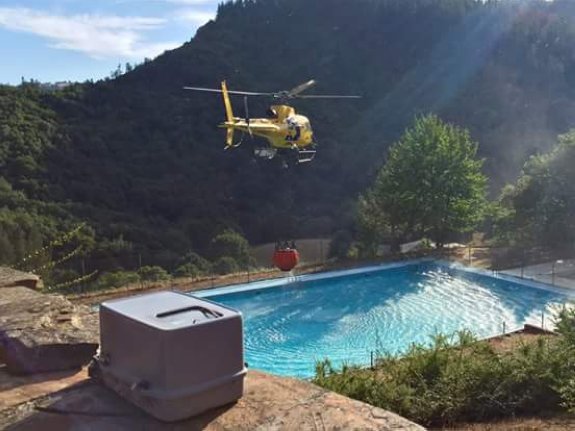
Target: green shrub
226,265
426,244
566,382
115,279
340,244
462,380
567,391
353,252
188,270
153,274
196,260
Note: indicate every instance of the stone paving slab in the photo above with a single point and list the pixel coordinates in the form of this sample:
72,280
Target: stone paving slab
11,277
269,403
43,333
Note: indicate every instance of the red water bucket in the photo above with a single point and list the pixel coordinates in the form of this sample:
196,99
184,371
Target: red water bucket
286,259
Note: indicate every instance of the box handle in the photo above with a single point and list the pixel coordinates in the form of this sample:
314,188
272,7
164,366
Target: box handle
205,311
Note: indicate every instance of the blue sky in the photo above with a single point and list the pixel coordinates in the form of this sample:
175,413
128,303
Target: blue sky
60,40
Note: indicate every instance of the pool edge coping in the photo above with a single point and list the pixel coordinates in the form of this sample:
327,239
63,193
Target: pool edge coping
324,275
534,284
269,284
260,285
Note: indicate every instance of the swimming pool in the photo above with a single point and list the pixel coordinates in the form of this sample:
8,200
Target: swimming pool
345,316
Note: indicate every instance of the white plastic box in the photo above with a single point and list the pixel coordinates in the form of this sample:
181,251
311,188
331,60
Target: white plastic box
171,354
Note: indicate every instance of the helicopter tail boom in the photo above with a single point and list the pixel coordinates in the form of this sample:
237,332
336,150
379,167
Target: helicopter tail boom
227,103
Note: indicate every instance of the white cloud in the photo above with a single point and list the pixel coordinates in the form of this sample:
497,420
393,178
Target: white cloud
213,3
194,16
99,36
193,2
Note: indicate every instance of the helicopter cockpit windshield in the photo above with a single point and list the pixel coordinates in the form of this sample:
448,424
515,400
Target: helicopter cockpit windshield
272,113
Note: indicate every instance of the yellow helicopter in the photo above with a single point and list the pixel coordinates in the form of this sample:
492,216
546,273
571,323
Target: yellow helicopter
283,129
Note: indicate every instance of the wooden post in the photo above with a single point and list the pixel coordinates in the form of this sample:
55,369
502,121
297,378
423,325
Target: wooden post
522,262
139,268
83,275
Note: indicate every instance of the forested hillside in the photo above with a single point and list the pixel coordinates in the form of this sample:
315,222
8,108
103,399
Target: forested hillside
139,159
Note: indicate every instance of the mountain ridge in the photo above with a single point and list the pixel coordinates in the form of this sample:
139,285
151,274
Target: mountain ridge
139,158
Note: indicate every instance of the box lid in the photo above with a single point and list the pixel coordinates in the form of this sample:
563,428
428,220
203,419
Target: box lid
169,310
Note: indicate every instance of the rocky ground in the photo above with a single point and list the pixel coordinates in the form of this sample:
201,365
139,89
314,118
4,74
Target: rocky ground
69,400
43,333
269,403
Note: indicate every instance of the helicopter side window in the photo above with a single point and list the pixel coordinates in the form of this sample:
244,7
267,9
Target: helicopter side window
293,125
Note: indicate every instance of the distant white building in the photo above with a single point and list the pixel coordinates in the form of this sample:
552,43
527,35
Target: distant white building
54,86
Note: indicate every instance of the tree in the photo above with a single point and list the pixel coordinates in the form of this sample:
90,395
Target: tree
116,73
540,208
431,185
231,244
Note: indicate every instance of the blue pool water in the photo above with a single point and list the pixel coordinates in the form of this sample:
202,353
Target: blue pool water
288,328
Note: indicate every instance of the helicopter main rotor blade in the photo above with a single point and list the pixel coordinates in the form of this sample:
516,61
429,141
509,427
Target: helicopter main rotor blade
301,88
239,93
292,94
321,96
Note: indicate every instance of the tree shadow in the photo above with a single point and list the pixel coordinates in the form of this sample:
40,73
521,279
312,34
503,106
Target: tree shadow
10,381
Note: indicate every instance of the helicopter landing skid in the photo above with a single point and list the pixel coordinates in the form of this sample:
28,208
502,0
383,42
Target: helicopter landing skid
236,145
301,156
305,156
